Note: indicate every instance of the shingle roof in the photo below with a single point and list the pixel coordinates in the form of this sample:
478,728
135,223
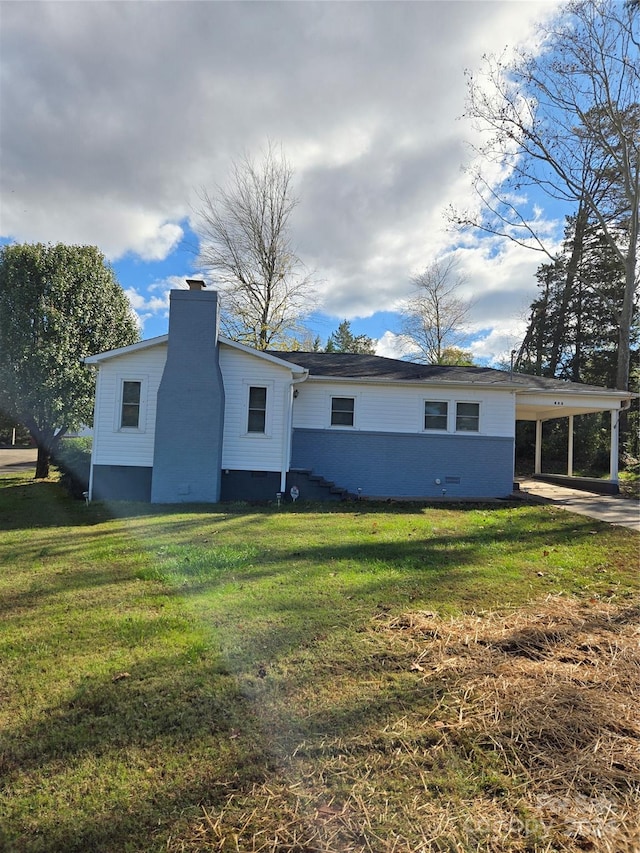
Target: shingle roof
354,366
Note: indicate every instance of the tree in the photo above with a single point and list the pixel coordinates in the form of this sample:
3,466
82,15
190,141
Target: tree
565,120
573,334
245,242
343,340
434,317
58,304
573,326
456,357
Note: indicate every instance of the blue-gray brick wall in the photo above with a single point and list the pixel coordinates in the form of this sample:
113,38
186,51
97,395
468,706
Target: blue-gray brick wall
408,465
190,409
121,483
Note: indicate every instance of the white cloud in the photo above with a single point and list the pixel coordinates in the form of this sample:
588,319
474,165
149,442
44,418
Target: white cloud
393,345
495,346
145,306
108,130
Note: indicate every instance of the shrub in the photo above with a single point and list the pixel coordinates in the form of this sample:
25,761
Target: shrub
73,460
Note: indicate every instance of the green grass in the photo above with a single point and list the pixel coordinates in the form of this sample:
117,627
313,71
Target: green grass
163,669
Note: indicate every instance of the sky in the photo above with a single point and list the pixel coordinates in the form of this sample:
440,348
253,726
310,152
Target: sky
115,115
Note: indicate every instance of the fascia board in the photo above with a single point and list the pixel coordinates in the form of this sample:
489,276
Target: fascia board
577,394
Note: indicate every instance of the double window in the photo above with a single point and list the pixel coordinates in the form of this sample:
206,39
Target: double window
342,411
436,416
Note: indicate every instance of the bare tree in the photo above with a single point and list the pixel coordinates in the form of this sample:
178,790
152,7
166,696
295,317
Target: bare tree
245,242
435,316
565,120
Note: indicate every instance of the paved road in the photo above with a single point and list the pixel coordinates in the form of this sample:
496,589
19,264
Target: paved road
611,508
14,460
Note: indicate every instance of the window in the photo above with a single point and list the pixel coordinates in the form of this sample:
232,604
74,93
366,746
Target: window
342,409
468,417
257,419
130,412
435,415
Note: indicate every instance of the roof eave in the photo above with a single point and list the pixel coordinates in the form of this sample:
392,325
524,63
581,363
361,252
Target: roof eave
588,391
385,380
98,358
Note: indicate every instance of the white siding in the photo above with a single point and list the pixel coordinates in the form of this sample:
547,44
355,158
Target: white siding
394,408
378,407
241,450
111,445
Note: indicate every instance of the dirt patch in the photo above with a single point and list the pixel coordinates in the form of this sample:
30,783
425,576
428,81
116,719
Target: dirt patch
515,731
553,689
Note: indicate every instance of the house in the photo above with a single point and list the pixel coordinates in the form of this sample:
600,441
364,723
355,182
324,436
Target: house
194,417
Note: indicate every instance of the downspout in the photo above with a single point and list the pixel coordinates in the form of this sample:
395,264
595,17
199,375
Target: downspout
95,433
287,432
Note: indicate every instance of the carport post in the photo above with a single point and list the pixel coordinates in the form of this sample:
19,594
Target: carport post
613,458
537,468
570,449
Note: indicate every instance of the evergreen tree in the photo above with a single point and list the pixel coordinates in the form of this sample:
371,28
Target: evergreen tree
343,340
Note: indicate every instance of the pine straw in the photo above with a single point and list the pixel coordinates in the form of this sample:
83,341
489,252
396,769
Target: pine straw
538,708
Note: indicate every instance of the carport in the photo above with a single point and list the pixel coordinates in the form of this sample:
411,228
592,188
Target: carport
545,399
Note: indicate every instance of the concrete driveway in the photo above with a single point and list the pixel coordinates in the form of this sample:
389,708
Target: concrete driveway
14,460
610,508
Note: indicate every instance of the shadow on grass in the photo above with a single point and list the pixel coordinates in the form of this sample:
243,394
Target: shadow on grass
132,755
42,503
133,752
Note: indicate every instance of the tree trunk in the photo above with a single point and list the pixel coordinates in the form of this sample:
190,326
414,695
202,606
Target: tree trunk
42,464
559,332
624,328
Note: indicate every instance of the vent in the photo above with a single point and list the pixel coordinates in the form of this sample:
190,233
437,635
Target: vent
452,480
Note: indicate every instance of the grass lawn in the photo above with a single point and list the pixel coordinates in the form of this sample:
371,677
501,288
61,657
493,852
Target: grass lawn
354,677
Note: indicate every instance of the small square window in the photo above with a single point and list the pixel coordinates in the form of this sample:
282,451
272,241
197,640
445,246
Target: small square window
257,409
342,409
130,413
468,417
435,415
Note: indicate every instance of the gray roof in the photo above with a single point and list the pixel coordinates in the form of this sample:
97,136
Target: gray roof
346,365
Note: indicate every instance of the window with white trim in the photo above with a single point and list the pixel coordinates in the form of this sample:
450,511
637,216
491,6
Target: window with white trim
467,417
257,415
131,404
342,411
436,414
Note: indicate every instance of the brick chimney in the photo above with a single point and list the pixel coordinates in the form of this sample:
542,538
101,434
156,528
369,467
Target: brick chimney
190,406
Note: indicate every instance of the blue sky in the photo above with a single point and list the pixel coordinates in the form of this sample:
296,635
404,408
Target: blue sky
113,115
150,279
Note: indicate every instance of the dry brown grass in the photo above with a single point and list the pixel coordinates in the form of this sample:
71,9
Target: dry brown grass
530,742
